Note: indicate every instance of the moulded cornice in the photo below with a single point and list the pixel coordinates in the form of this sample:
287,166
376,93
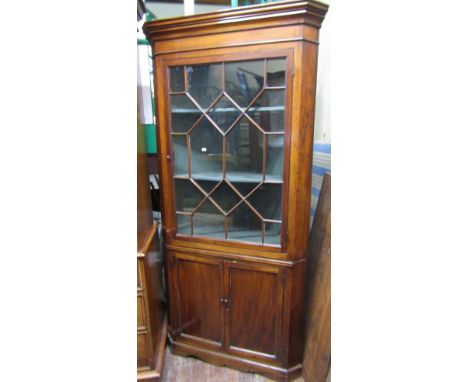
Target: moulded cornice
305,12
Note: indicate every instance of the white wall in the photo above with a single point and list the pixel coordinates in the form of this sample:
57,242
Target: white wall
166,10
322,131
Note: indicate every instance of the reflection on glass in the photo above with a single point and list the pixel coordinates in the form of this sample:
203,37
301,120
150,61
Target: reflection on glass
244,225
244,153
176,79
224,113
208,221
225,197
206,152
180,155
204,83
267,200
183,224
244,80
274,157
187,196
276,70
184,113
273,233
268,110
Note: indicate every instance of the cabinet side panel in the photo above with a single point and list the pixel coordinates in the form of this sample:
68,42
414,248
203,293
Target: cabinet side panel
296,328
172,295
301,148
155,291
143,350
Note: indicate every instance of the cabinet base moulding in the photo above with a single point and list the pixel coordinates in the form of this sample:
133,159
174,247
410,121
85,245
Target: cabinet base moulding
242,364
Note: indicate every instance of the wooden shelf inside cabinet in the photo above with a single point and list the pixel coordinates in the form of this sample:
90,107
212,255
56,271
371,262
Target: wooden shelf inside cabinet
235,104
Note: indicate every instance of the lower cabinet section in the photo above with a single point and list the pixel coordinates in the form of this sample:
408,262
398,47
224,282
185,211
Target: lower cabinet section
231,312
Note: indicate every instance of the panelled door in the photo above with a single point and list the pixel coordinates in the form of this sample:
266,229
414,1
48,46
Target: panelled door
237,306
254,310
198,284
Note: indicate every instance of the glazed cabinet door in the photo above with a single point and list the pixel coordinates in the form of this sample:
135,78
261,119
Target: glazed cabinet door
228,128
254,310
197,283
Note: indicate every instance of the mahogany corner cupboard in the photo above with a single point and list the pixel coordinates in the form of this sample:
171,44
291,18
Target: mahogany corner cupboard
235,95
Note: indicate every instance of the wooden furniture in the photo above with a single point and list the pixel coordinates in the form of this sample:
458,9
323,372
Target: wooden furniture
151,316
316,364
235,94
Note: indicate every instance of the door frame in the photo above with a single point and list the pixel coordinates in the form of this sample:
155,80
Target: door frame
165,141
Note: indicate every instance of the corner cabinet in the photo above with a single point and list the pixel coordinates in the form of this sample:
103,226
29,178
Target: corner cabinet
235,95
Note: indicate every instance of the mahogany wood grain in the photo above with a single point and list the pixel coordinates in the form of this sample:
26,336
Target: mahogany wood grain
199,287
296,314
255,293
234,303
243,18
316,363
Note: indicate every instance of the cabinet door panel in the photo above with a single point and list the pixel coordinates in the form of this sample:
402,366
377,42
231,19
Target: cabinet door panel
199,282
228,123
254,310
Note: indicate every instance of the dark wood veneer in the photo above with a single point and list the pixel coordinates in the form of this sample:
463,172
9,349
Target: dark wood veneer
233,303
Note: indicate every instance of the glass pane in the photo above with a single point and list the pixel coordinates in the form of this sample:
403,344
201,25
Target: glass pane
268,110
187,195
224,113
176,79
244,153
244,225
207,185
184,113
244,80
245,185
225,197
273,233
276,70
206,152
267,200
204,83
183,224
274,157
180,155
208,221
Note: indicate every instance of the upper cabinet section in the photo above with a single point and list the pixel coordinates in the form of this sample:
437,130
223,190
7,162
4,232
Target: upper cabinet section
235,112
200,31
